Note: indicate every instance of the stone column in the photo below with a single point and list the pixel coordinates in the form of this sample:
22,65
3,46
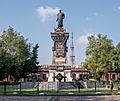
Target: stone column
59,59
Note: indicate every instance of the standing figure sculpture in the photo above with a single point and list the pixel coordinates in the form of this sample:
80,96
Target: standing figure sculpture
60,17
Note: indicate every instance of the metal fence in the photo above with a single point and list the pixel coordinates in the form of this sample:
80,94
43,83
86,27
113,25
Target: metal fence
34,88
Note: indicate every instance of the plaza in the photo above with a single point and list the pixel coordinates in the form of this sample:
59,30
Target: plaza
61,98
59,50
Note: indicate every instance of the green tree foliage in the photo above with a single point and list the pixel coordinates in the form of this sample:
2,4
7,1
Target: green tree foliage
116,57
14,50
98,54
33,59
31,64
118,51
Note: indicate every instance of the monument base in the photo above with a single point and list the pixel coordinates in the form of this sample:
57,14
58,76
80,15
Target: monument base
60,85
59,70
55,75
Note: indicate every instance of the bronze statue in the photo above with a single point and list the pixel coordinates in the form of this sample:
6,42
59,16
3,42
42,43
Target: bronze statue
60,17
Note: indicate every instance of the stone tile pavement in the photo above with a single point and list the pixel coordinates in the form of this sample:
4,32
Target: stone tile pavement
61,98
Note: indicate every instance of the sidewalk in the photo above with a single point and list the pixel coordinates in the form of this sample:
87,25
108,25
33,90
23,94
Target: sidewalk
64,94
79,94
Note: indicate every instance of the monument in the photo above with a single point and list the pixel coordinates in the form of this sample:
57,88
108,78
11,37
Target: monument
59,69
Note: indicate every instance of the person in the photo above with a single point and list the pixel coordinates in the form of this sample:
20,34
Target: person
111,87
60,17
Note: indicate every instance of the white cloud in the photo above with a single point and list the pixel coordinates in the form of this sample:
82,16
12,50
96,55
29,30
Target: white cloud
46,12
83,39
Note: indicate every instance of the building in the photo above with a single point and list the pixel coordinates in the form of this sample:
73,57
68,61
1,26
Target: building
78,73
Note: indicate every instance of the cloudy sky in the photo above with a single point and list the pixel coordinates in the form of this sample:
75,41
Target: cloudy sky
35,19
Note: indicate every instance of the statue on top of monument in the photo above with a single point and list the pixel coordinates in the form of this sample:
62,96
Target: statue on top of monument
60,17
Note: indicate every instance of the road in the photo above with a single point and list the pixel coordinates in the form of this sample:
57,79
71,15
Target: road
61,98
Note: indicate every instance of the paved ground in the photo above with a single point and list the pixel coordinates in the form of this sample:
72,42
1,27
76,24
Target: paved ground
61,98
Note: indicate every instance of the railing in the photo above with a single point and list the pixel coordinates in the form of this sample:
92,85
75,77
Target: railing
37,88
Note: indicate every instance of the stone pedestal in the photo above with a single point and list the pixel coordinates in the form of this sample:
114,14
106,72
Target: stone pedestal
59,69
66,75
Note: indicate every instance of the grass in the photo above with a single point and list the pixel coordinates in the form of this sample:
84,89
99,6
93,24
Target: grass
84,90
34,91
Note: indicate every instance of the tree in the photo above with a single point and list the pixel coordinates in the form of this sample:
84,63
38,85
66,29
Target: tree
14,50
31,64
118,52
116,57
34,58
98,54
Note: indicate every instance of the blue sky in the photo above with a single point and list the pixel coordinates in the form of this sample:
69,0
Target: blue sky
35,19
